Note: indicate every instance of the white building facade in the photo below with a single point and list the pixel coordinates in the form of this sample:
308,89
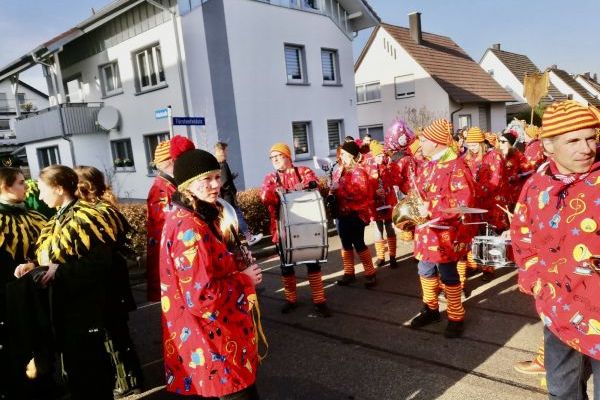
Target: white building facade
250,68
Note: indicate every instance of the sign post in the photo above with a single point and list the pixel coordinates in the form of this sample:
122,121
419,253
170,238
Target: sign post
170,116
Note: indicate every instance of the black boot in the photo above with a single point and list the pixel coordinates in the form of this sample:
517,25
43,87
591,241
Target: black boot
346,280
393,263
425,317
370,281
322,311
288,307
454,329
380,262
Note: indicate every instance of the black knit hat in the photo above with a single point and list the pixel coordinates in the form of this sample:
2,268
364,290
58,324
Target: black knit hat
352,148
193,164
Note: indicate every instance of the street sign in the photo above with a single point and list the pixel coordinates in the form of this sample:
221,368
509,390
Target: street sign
161,113
188,120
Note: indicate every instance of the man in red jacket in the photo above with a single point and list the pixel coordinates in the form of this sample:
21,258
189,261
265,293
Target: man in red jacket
554,234
444,182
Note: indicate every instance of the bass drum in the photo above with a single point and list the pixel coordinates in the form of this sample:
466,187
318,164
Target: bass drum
302,227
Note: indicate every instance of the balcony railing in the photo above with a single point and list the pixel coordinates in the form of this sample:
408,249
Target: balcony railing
57,121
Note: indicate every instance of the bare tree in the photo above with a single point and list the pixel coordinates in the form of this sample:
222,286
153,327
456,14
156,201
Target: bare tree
417,119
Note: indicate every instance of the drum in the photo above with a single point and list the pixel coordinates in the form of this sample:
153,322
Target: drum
493,251
302,227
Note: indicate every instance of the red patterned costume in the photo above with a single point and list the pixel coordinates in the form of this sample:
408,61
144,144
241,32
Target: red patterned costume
354,193
534,153
516,167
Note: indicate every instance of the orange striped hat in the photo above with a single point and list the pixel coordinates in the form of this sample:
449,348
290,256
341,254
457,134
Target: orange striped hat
162,152
491,138
440,131
568,116
474,135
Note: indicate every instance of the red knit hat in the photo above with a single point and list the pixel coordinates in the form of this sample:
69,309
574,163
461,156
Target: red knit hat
440,131
180,145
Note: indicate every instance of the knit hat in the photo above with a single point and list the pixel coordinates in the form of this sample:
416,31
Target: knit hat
474,135
440,131
180,145
352,148
491,138
281,148
511,135
193,164
415,146
162,152
568,116
533,131
376,148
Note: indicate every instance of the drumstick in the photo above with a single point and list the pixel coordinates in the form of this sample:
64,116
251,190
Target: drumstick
508,213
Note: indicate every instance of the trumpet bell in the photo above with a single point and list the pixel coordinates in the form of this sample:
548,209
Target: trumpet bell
227,221
405,214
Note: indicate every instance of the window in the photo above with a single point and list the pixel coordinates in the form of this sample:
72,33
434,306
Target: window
122,154
334,134
464,121
111,80
491,72
4,124
48,156
3,102
368,92
405,86
149,68
375,131
302,140
294,64
329,62
310,4
151,141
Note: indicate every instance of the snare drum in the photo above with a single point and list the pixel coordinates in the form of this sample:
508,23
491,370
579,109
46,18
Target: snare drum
493,251
302,227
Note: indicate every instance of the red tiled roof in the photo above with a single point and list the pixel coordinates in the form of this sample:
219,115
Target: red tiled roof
520,65
576,86
452,68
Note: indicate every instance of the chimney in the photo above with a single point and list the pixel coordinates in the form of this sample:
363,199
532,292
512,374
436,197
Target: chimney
553,66
595,77
496,46
586,75
414,23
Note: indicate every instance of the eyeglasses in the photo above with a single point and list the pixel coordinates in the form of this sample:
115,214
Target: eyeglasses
276,156
502,141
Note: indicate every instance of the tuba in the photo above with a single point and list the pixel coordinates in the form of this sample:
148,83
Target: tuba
406,214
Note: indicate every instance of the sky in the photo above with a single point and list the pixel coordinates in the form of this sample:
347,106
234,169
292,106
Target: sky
550,32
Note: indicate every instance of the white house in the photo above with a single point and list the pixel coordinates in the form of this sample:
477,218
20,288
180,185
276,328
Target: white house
509,69
589,83
402,69
249,67
16,98
569,86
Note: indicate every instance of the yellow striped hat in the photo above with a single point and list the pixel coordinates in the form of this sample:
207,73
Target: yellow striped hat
568,116
474,135
440,131
162,152
376,148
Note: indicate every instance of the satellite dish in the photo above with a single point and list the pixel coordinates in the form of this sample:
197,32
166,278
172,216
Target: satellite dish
108,118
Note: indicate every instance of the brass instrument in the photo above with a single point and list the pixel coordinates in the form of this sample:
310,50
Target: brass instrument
229,226
406,214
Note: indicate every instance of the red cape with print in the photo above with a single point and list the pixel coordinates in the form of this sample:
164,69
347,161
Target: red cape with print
490,178
158,198
515,164
208,335
555,244
355,193
444,183
389,174
288,180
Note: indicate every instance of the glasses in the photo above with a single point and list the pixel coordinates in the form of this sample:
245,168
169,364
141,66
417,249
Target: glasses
502,141
276,156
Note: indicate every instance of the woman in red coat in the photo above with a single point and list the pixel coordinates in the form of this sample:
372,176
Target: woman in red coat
210,348
516,166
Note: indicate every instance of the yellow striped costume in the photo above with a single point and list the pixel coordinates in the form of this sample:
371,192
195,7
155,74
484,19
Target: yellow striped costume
19,230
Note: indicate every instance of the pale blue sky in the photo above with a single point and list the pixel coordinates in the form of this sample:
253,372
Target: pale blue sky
549,31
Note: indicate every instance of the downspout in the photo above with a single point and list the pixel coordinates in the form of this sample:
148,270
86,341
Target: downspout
179,62
454,112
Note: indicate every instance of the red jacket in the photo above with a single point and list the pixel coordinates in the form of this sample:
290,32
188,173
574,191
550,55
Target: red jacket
444,183
288,181
553,241
209,344
534,153
490,178
354,193
515,165
385,176
408,166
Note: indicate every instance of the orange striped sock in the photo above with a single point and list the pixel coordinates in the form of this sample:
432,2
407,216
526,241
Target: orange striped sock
316,286
380,249
407,236
348,262
461,267
539,358
456,311
289,288
470,261
367,262
430,287
392,246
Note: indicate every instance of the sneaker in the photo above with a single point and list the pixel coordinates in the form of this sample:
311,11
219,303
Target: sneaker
393,263
380,262
346,280
288,307
370,281
529,368
254,239
425,317
454,329
322,311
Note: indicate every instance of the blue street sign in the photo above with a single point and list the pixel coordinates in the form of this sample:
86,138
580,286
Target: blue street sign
161,113
188,120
